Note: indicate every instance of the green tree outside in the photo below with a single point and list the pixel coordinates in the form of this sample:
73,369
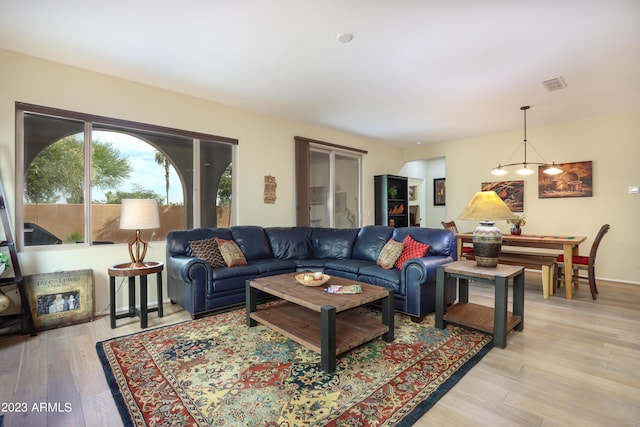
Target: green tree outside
163,161
137,192
224,188
58,171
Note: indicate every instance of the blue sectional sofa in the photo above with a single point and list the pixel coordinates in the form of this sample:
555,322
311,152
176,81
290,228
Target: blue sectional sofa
348,253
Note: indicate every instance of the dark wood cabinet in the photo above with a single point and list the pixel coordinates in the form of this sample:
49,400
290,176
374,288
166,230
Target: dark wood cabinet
392,200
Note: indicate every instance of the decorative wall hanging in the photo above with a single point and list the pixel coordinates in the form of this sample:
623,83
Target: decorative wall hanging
511,192
270,189
439,192
576,180
60,299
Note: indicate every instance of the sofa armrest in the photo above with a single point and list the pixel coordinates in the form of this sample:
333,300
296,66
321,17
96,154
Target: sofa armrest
188,282
187,269
418,278
426,266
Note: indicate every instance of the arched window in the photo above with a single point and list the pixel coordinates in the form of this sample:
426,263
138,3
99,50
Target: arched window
63,151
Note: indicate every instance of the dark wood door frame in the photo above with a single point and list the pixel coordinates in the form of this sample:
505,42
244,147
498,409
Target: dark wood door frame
303,167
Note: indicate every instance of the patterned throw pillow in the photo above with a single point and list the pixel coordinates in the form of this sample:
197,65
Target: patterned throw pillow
231,253
412,249
207,249
390,254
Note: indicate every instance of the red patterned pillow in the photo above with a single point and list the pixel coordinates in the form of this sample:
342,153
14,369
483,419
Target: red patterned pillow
411,249
231,253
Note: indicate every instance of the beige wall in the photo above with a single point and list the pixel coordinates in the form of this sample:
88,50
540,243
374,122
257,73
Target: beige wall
611,142
266,148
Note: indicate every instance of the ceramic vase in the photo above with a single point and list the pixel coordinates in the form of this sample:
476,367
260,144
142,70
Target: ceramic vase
487,244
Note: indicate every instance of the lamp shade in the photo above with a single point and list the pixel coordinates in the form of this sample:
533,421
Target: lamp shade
486,206
139,214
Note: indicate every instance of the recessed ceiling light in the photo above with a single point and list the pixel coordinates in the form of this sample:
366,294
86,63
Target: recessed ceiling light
345,37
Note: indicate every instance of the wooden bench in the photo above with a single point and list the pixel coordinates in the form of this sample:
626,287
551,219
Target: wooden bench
533,261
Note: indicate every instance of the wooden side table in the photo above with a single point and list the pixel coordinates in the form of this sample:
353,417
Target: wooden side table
496,321
125,270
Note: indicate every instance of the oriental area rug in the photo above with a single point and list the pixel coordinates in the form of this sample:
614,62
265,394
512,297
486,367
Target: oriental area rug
216,371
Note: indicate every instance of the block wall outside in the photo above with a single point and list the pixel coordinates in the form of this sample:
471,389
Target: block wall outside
62,220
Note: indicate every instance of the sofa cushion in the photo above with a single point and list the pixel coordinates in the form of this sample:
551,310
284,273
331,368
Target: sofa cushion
290,242
333,242
411,249
244,271
390,254
370,241
377,275
207,249
348,265
253,241
231,253
311,264
274,266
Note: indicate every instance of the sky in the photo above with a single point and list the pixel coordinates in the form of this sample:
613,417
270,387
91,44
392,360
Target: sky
146,171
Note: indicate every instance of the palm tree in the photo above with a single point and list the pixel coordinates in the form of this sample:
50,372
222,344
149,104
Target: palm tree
162,160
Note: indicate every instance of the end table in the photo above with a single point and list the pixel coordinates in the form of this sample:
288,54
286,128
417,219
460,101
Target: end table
498,320
125,270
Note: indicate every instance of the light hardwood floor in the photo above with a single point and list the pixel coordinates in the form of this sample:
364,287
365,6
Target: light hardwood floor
577,363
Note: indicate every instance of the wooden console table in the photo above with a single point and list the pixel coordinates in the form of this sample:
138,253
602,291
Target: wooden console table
125,270
568,244
496,321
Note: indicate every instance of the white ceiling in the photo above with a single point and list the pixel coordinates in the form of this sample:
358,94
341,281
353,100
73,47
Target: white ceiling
416,70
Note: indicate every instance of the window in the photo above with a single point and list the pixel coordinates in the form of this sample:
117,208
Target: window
328,184
62,151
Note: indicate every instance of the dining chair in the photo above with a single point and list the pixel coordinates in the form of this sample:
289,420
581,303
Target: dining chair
584,263
451,226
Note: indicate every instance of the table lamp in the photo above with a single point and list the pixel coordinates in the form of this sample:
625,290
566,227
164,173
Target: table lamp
487,207
139,214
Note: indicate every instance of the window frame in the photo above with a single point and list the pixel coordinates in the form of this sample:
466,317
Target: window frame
89,121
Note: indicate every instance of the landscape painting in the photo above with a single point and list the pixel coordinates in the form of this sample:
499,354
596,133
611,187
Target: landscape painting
576,180
511,192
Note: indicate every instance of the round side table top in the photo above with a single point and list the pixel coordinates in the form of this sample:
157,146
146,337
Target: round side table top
126,270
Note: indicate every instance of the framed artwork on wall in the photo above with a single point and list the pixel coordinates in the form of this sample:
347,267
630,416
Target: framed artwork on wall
439,192
576,180
511,192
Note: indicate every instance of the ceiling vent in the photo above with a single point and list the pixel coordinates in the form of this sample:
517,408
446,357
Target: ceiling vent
556,83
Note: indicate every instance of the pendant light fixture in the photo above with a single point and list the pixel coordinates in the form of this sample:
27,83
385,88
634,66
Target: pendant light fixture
524,170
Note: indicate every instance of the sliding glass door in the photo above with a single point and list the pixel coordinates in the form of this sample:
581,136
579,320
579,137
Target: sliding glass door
334,188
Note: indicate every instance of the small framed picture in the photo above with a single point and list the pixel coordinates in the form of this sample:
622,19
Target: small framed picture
60,299
439,192
413,193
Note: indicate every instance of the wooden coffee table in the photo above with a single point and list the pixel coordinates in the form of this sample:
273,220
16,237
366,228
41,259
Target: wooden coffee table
324,323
